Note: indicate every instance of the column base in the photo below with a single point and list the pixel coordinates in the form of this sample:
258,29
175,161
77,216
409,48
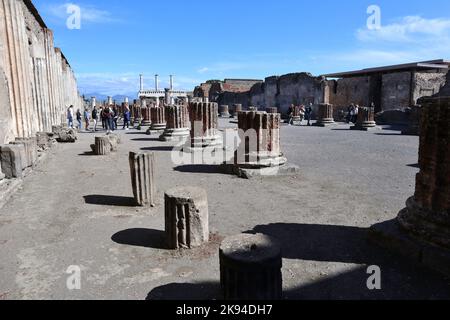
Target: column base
392,237
366,126
225,115
204,142
286,169
175,135
146,123
158,126
324,123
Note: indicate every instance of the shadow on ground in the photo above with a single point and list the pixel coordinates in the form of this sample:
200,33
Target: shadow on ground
116,201
159,148
147,238
186,291
199,168
146,139
87,153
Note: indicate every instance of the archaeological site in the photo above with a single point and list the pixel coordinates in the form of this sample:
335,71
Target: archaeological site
264,178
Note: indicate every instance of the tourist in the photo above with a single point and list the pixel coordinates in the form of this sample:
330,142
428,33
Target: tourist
291,114
95,117
87,119
80,124
308,113
126,118
108,116
355,117
302,114
70,117
115,117
350,110
103,117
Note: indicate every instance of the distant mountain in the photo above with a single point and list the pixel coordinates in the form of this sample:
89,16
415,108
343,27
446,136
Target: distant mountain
102,97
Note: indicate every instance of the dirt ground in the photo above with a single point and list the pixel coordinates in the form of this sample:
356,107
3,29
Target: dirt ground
76,209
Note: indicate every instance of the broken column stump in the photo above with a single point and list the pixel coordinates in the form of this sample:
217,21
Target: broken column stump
204,125
146,121
158,118
102,146
422,230
236,109
365,120
11,160
143,178
224,111
325,115
250,268
177,128
186,217
31,149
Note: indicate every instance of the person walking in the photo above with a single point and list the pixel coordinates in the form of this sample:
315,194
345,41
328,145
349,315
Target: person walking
356,112
102,117
87,118
308,114
95,118
79,119
126,118
70,115
115,117
291,114
108,115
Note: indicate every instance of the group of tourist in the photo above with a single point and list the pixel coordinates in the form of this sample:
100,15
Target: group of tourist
304,113
109,115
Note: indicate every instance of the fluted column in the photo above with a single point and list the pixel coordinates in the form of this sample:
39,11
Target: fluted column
145,116
224,111
177,119
204,124
158,118
259,133
142,178
325,115
365,120
236,109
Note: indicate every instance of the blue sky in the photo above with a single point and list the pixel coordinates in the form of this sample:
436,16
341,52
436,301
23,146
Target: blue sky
198,40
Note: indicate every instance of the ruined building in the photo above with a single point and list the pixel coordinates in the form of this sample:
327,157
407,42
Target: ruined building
37,83
389,88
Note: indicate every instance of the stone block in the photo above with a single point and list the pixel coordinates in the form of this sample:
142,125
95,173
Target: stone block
11,160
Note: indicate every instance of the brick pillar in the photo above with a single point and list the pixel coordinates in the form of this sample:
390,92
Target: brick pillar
236,109
177,128
204,124
259,133
365,120
325,115
158,118
142,178
145,116
186,217
427,214
224,111
414,122
250,268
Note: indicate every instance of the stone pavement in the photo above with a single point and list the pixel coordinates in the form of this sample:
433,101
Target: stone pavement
77,209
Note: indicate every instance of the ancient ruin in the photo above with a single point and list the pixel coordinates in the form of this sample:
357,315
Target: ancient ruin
158,118
186,217
224,111
250,268
325,115
204,125
142,173
365,120
177,128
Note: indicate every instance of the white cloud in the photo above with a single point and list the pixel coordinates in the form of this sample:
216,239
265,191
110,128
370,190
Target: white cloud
408,29
127,83
89,14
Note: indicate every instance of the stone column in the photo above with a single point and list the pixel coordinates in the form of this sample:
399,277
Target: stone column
186,217
177,123
204,125
142,178
414,122
158,118
102,146
365,120
137,114
168,96
427,215
224,111
236,109
421,231
145,116
11,160
252,108
272,110
250,268
259,133
110,101
93,102
325,115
